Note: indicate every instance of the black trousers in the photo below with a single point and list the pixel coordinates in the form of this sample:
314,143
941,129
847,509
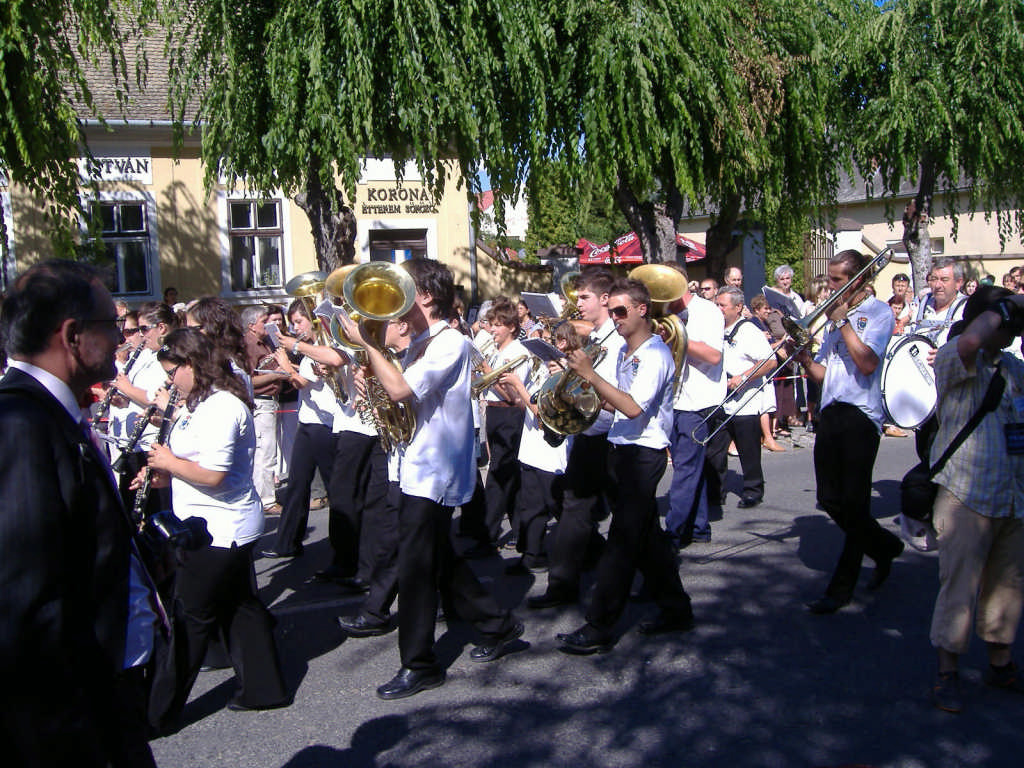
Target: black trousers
575,539
845,448
428,563
346,492
314,448
636,540
746,432
504,431
540,498
384,575
216,587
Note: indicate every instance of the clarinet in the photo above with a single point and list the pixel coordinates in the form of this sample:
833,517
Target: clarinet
142,494
104,407
133,439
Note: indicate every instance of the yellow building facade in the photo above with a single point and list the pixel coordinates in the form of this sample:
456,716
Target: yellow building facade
162,229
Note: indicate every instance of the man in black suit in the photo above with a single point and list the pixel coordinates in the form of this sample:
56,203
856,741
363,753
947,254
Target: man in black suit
77,610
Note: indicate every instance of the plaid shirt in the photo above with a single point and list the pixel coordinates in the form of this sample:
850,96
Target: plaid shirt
981,474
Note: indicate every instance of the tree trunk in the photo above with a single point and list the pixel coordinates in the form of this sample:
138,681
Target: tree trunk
719,241
655,225
332,223
915,226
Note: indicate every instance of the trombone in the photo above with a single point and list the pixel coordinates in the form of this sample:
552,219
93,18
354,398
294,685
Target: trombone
802,332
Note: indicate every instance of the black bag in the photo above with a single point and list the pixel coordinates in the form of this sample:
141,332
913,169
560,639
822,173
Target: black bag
917,489
918,492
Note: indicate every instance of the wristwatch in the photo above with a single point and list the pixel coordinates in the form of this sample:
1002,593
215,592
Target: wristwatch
840,323
295,347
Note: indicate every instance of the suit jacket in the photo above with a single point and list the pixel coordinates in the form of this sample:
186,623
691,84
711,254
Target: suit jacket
65,544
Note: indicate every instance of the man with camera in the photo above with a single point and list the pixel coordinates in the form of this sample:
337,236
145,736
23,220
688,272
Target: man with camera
77,607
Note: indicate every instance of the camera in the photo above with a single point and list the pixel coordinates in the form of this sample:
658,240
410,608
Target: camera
184,534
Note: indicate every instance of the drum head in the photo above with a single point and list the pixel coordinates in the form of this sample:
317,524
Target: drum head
908,382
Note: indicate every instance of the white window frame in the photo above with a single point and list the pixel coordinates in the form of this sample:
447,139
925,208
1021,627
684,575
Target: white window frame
224,199
152,241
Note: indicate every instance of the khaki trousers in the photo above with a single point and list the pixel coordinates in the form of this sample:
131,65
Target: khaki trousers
981,560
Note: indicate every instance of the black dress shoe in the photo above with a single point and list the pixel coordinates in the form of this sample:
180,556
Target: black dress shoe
409,682
586,640
353,584
825,605
363,626
550,600
748,501
235,705
273,554
666,622
329,574
493,649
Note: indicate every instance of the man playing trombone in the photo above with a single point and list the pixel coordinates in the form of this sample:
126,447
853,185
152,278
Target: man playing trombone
850,426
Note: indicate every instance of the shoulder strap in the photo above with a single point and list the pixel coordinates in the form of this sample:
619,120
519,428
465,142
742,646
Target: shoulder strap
990,402
735,329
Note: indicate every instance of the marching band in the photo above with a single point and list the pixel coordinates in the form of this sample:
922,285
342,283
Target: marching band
396,405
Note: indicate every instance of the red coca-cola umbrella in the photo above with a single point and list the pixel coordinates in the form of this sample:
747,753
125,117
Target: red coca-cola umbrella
626,250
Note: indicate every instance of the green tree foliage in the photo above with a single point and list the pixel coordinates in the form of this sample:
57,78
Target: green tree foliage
666,103
707,105
48,51
561,213
293,95
933,93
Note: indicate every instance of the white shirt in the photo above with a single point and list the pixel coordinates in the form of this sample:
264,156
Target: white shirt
935,324
219,435
646,375
438,463
317,403
748,347
511,351
535,451
702,385
873,323
612,343
347,418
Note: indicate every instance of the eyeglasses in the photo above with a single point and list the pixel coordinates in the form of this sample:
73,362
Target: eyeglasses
706,288
146,328
171,371
620,311
131,331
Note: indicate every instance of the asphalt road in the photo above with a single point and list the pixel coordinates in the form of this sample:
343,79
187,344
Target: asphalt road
759,682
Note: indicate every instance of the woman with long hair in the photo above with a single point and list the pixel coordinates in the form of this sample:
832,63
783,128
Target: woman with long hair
221,323
208,462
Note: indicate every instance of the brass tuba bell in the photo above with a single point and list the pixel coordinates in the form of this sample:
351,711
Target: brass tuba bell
375,293
666,285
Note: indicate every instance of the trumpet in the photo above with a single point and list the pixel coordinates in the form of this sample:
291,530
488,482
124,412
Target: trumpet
375,293
802,332
486,381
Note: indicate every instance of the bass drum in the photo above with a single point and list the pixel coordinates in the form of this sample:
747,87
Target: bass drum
908,382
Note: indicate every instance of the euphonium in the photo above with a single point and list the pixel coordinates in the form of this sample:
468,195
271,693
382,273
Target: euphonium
377,292
666,285
568,405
